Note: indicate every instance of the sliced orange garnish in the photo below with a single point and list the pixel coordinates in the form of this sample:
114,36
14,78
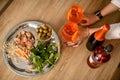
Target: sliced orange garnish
75,36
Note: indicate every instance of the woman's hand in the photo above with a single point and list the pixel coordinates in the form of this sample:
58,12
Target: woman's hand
89,19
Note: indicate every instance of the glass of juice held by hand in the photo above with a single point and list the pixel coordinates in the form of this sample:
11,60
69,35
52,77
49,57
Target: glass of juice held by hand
70,34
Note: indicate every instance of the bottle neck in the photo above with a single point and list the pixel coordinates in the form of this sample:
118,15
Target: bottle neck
100,35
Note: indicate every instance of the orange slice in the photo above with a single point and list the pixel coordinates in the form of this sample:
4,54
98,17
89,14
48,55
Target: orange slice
75,36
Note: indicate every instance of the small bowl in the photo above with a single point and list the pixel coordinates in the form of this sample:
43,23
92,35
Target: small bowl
44,32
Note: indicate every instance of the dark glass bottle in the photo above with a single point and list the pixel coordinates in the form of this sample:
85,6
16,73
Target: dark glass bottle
97,38
100,55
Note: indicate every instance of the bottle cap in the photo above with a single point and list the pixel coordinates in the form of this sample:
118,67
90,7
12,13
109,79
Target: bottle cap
108,48
106,27
100,35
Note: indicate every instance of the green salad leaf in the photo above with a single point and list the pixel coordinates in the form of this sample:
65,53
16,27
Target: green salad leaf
45,53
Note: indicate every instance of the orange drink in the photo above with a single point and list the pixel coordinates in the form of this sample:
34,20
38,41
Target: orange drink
70,33
75,14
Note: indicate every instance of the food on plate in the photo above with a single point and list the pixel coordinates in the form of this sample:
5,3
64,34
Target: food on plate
44,55
44,32
35,53
12,49
24,42
24,39
21,45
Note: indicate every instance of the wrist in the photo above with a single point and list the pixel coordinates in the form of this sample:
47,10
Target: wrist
98,14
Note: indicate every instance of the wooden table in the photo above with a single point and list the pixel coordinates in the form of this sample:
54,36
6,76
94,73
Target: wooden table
72,64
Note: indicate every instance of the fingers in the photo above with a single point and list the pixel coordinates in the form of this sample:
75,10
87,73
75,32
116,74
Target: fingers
84,22
89,19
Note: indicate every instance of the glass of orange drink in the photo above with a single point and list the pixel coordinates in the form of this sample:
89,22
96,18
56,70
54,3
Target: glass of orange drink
70,34
75,14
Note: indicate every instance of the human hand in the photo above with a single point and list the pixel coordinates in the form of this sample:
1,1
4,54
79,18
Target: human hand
89,19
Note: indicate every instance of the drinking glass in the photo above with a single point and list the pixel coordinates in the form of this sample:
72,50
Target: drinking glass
75,14
72,34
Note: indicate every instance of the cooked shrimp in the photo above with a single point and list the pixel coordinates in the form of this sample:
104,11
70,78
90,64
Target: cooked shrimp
28,34
24,42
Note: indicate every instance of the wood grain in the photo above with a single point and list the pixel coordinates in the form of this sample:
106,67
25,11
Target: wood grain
4,4
72,64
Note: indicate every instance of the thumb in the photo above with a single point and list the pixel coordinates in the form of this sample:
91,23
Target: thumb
84,22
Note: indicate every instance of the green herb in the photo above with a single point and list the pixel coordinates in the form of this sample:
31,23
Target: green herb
45,53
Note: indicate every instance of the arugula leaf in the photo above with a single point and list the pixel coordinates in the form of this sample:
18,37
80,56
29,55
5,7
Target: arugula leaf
44,54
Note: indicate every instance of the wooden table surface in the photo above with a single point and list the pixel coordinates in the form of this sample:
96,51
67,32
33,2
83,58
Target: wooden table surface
72,64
